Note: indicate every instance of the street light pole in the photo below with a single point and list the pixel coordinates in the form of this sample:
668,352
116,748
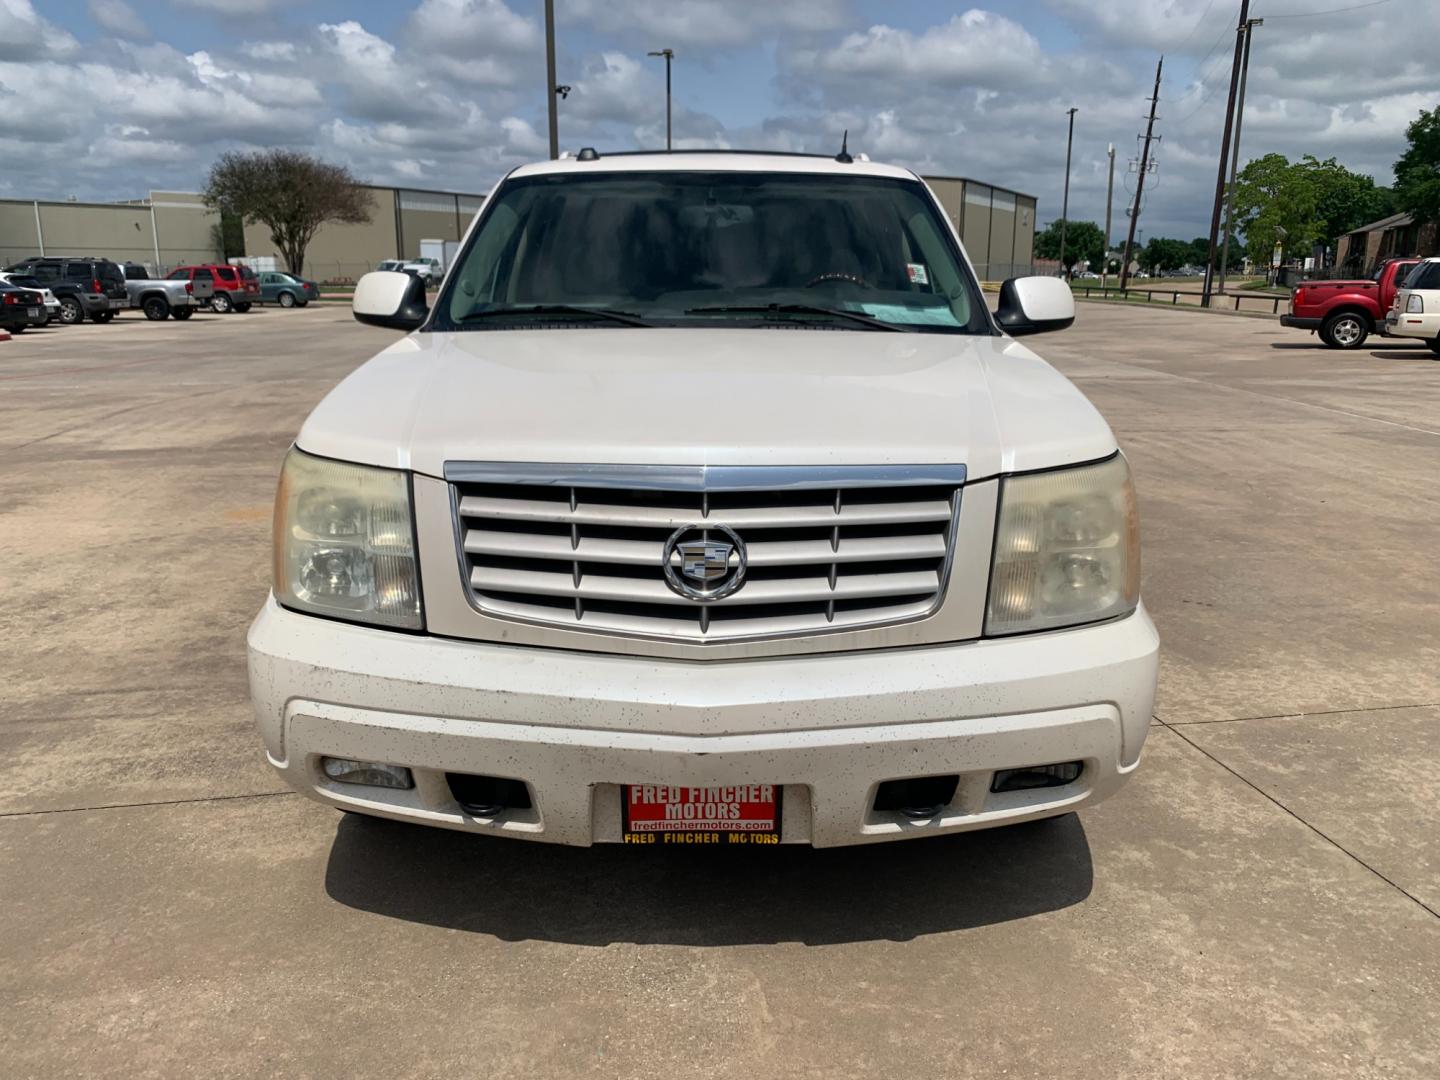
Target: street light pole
1109,198
550,91
1250,25
669,55
1065,202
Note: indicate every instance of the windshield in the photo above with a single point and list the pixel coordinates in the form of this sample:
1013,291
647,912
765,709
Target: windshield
713,249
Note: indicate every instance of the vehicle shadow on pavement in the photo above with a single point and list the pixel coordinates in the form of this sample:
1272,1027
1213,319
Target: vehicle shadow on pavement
1422,353
519,891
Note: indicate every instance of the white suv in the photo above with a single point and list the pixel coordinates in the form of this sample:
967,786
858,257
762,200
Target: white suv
1415,311
709,504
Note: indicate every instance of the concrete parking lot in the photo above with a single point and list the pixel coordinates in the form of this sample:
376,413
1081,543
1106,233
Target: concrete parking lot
1263,900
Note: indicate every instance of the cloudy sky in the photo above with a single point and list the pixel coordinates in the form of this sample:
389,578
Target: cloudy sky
107,99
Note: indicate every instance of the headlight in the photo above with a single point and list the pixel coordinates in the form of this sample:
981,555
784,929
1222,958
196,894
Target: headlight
1067,549
344,542
1415,305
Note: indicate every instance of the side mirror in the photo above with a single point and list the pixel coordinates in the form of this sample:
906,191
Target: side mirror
390,299
1035,305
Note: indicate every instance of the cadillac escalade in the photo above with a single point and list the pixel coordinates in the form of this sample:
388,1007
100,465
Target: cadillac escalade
708,503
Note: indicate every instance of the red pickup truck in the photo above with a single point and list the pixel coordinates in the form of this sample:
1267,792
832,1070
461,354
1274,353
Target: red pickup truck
1346,312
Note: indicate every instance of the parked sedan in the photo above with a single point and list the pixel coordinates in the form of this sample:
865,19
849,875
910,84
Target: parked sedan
20,308
287,290
25,281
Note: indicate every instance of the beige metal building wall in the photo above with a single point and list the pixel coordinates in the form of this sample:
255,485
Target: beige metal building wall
951,193
1025,231
399,219
975,226
185,229
996,225
168,229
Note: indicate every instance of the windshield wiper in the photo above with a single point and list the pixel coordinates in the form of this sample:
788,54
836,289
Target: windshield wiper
542,310
801,309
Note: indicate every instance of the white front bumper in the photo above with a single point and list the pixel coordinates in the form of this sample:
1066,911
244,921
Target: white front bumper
576,726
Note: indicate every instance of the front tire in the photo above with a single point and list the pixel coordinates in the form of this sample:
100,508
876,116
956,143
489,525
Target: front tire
71,312
1345,330
286,299
156,308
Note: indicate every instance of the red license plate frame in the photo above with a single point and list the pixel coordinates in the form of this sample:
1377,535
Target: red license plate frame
721,814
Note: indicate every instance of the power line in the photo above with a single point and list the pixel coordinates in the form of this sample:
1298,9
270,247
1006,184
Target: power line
1331,11
1196,26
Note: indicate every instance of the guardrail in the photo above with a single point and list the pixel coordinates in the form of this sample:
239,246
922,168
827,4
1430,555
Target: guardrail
1175,294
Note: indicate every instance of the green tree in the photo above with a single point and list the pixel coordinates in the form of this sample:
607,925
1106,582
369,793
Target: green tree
1163,253
1344,200
1275,201
1084,242
227,236
290,193
1417,173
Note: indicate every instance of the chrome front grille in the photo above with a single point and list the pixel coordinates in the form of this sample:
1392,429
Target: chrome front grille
826,549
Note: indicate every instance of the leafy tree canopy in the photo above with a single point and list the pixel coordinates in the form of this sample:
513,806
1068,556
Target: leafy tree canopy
1417,173
290,193
1162,253
1084,243
1302,203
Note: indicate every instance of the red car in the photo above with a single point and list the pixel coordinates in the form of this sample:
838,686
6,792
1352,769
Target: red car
1346,312
236,287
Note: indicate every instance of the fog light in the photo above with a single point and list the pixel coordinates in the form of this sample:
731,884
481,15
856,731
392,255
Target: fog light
370,773
1036,776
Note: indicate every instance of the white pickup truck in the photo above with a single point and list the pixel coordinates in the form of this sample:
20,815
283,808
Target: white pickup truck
708,504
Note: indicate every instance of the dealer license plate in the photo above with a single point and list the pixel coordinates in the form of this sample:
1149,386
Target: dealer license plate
32,312
739,814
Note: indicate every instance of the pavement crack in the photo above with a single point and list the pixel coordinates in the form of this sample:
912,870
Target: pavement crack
1300,715
156,802
1318,832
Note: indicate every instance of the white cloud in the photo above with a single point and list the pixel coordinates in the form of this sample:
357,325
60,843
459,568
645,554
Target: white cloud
707,23
451,96
119,18
28,36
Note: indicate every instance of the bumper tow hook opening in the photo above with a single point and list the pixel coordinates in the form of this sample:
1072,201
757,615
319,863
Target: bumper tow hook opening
918,797
487,796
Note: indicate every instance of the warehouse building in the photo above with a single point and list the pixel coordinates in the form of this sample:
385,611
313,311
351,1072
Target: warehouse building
997,225
399,219
171,228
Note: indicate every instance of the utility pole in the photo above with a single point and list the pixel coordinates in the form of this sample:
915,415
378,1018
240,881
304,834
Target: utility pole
669,55
1065,203
1224,154
550,86
1235,154
1140,183
1109,198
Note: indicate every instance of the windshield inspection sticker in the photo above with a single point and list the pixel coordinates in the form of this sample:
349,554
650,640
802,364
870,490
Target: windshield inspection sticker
917,273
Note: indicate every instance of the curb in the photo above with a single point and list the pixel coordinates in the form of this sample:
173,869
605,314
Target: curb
4,335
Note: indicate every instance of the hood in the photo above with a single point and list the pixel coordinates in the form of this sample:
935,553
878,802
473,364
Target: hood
707,397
